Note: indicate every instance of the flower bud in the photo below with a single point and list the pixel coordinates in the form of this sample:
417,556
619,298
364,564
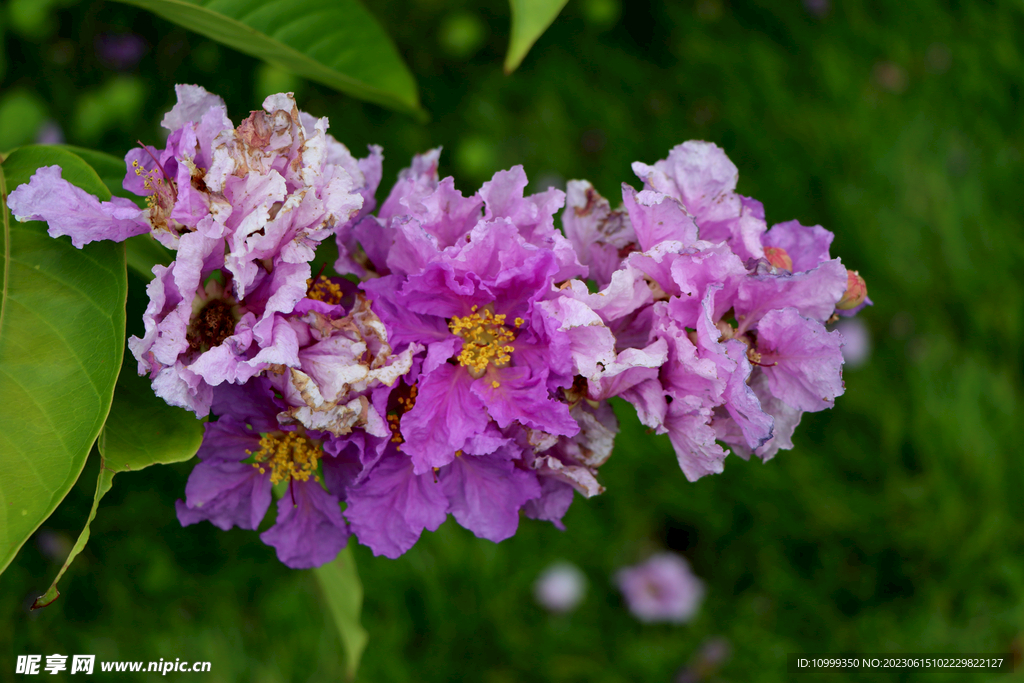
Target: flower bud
778,257
856,291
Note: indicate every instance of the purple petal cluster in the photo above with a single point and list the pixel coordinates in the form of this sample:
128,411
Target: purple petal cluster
740,310
460,359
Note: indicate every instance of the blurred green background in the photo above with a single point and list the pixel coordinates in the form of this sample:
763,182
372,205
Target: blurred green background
895,525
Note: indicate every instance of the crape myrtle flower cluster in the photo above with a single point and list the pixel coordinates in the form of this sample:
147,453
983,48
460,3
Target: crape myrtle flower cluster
461,359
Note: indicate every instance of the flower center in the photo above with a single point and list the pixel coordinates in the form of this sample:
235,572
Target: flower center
288,455
323,289
214,323
486,339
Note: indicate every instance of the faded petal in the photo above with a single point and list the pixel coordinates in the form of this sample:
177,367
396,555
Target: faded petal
591,343
580,477
625,293
786,419
701,176
193,103
597,233
648,399
414,184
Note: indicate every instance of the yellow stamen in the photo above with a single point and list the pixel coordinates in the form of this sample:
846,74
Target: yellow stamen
495,384
324,290
405,404
486,340
288,456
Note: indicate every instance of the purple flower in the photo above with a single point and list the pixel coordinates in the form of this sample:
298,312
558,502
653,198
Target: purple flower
739,310
702,177
507,357
469,372
661,589
390,510
485,493
472,294
246,452
245,207
310,530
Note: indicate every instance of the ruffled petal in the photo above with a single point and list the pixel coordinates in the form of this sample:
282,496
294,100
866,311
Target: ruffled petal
802,360
70,210
310,530
485,494
446,415
393,506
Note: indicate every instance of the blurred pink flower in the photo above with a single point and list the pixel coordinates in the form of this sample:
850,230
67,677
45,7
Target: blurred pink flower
661,589
560,588
856,341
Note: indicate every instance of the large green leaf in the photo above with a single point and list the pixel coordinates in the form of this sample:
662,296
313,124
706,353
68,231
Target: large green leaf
144,252
62,324
339,582
141,431
109,168
335,42
530,18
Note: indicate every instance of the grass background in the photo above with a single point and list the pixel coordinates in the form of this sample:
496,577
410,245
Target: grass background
895,525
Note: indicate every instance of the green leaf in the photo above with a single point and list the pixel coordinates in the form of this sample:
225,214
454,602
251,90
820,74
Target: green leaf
339,582
109,168
335,42
530,18
144,252
141,431
62,324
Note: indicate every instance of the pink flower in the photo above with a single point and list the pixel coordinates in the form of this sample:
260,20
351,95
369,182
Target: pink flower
661,589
